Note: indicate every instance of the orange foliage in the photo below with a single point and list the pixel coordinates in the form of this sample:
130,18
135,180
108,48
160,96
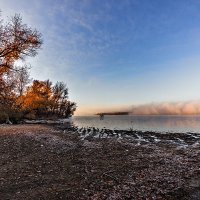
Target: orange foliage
36,96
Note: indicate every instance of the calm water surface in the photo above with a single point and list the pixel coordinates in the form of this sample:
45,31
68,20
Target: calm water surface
143,123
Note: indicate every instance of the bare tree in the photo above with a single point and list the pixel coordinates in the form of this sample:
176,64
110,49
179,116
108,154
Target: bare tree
22,77
17,40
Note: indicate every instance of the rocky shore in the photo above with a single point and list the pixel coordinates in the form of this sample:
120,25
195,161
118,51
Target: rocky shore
45,162
136,137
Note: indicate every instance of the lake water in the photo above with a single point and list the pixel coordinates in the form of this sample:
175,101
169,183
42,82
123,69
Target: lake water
144,123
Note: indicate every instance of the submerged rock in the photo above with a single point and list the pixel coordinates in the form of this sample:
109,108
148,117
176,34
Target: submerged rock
180,140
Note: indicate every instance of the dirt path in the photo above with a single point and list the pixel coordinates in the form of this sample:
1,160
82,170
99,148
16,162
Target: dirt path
39,162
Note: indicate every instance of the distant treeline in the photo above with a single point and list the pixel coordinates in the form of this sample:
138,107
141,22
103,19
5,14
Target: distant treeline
114,113
19,96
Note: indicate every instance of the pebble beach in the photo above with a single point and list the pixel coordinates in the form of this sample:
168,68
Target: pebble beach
50,162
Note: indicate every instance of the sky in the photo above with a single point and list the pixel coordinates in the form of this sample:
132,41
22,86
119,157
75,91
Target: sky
117,54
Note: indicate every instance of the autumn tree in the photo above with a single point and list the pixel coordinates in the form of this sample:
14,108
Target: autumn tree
17,98
36,98
61,106
17,41
42,100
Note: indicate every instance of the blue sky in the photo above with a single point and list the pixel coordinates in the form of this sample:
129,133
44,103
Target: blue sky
114,54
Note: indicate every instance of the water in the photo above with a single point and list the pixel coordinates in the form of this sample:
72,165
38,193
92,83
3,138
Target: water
144,123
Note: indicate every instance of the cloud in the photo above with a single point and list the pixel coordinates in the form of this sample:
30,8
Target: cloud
168,108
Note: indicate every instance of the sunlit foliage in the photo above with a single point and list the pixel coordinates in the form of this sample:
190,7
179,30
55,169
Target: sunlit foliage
44,100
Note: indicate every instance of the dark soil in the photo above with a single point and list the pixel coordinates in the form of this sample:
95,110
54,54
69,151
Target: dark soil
40,162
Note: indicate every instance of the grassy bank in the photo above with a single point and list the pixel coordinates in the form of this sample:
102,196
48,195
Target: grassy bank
40,162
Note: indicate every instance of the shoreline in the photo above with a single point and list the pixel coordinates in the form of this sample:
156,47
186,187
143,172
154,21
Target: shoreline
40,161
138,137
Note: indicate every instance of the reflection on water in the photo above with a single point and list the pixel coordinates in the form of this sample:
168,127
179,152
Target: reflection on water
145,123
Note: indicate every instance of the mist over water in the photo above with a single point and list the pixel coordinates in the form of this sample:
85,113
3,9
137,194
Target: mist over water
168,108
191,107
159,123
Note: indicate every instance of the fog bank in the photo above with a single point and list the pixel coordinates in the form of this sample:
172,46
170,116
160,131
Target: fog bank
167,108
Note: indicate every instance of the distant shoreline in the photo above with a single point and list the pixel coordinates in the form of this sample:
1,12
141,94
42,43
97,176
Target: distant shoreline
140,115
